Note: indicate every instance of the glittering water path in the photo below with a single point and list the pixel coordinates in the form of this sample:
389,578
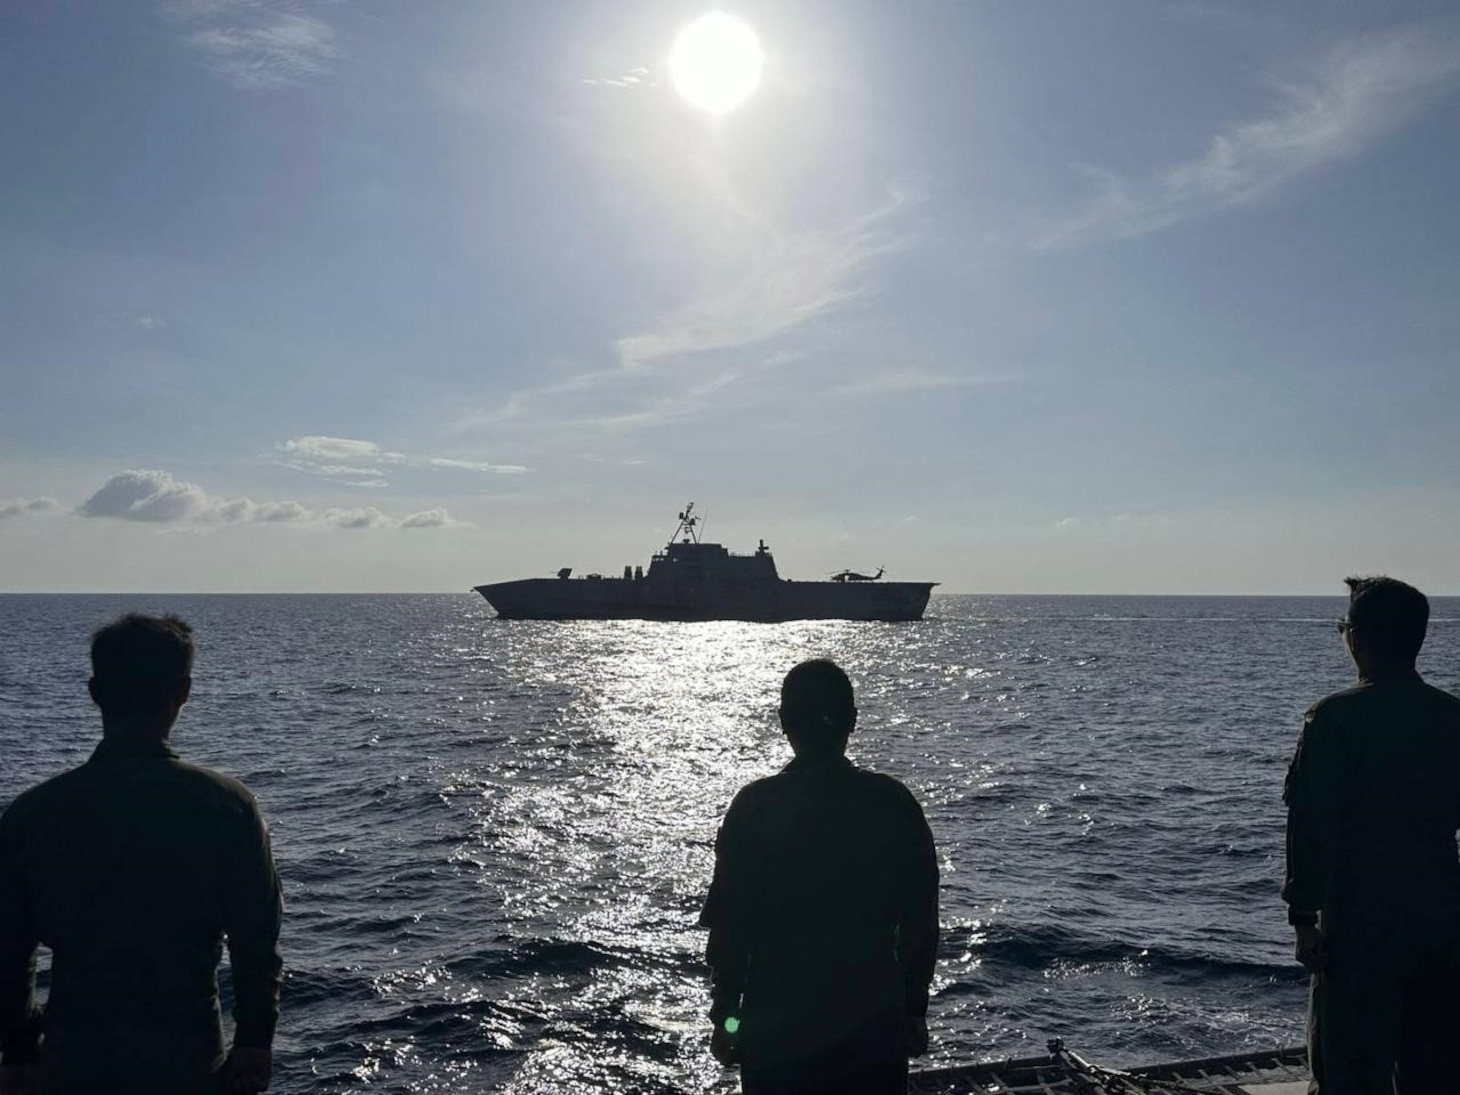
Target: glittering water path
495,836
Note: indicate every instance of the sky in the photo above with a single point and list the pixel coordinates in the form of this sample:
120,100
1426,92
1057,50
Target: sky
1057,297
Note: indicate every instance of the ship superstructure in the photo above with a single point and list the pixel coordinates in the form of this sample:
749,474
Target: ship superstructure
690,579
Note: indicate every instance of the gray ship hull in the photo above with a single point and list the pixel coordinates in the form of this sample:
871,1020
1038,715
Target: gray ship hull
777,601
692,580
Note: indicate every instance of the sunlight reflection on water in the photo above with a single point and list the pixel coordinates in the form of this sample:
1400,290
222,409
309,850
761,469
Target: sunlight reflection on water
676,718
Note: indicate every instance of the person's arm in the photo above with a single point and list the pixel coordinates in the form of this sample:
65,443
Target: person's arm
729,913
19,1020
917,932
1312,792
254,909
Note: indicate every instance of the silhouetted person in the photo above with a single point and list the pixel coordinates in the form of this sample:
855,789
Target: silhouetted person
133,869
823,913
1373,883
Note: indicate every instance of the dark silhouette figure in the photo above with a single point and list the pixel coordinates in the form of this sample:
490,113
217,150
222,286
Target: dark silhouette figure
132,869
823,913
1373,882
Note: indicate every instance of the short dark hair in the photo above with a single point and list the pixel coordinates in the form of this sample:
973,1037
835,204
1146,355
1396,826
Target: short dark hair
816,703
1390,615
138,662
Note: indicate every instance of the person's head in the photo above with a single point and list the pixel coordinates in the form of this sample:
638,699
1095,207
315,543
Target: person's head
141,673
817,711
1386,622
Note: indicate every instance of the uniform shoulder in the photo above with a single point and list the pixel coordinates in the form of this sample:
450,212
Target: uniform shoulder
890,787
752,792
42,795
1336,703
223,788
1444,699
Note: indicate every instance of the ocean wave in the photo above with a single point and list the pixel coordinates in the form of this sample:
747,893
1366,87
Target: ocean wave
1005,951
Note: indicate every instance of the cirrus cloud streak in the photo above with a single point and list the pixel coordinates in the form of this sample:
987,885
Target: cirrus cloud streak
360,463
256,45
1357,93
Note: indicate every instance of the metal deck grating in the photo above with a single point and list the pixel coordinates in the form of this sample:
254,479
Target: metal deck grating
1063,1075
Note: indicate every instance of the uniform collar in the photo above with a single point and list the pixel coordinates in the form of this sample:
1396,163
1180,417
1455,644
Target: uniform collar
1390,675
818,762
114,747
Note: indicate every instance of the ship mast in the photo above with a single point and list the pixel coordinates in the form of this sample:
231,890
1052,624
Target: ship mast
687,527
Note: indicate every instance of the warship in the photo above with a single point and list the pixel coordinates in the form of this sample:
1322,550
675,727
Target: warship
693,580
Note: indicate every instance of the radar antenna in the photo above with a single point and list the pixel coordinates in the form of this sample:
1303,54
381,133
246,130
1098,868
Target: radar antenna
687,531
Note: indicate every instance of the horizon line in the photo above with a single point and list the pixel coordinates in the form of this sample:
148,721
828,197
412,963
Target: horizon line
472,590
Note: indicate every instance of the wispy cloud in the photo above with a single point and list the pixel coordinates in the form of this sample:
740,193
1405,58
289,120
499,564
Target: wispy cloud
256,45
156,497
684,403
360,463
1102,522
17,507
519,403
775,280
638,76
783,280
473,465
1355,94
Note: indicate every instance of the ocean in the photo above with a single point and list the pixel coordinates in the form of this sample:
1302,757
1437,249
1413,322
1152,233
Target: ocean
495,836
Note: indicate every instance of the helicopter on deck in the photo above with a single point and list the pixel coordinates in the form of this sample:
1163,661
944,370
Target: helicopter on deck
853,576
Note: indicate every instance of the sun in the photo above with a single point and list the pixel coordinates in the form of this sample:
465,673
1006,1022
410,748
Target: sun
716,62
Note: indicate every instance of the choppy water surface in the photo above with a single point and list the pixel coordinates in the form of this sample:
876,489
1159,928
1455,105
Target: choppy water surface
495,836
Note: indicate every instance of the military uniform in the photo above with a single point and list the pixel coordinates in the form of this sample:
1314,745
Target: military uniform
1373,797
823,918
132,869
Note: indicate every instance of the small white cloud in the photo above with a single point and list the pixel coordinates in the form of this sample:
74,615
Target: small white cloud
149,322
364,517
19,506
257,45
156,497
348,460
146,496
325,449
431,518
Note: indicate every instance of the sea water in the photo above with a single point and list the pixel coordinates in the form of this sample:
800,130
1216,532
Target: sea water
495,836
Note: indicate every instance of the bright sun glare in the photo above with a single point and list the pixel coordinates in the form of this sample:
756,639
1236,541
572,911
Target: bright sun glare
716,62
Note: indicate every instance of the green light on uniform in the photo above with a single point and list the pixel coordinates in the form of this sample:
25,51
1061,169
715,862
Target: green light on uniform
732,1025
